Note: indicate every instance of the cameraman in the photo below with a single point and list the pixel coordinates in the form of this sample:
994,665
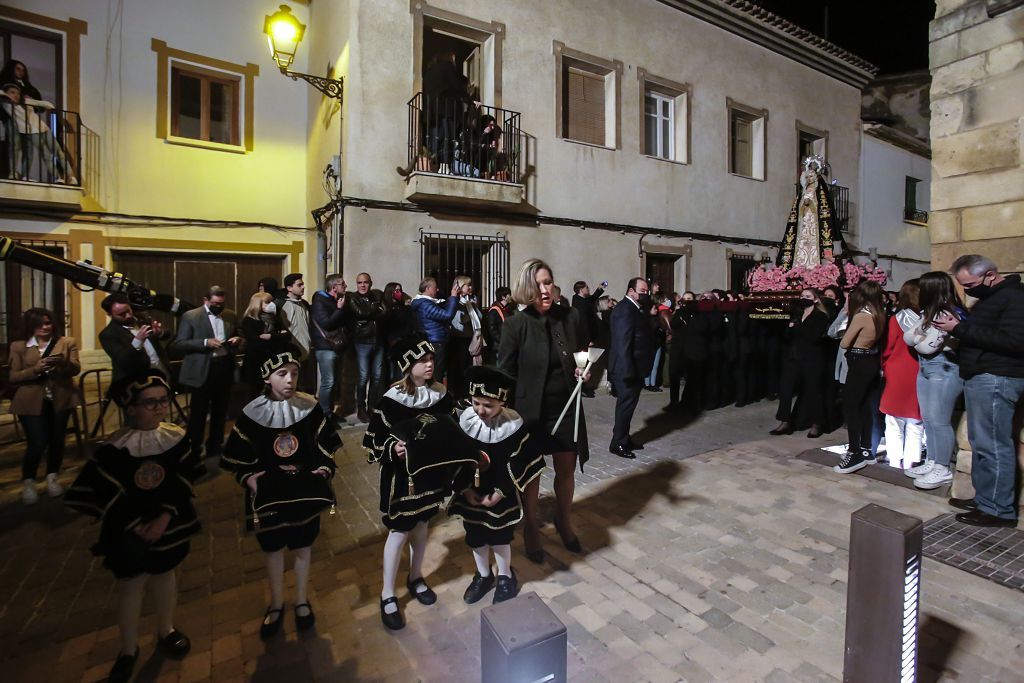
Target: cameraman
802,365
132,344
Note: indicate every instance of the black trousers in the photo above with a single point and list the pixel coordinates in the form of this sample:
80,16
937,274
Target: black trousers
801,376
744,382
440,358
44,433
862,380
627,395
211,400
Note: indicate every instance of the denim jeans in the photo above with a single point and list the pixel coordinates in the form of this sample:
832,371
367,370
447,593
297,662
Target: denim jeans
325,361
652,379
371,366
938,387
44,433
991,401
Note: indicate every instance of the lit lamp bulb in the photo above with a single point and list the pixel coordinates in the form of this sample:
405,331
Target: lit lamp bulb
284,32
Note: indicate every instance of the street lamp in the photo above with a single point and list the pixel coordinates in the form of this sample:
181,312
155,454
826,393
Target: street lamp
284,33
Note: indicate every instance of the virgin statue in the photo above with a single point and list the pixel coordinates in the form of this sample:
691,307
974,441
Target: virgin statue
808,239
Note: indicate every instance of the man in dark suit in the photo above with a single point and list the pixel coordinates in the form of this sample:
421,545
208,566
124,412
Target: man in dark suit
629,360
133,347
208,338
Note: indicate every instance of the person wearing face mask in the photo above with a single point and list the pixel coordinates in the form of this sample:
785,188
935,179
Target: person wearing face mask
801,369
266,334
630,358
208,338
992,367
134,345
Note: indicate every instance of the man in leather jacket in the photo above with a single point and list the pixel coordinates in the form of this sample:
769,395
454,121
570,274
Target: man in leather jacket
366,307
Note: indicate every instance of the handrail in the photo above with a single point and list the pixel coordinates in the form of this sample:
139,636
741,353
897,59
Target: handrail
454,137
40,145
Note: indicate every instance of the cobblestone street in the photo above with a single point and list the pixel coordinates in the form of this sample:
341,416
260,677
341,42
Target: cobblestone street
715,556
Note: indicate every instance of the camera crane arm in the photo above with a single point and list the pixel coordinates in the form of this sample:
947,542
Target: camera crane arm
88,275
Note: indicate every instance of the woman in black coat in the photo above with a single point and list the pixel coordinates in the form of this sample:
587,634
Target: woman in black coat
265,335
537,346
802,365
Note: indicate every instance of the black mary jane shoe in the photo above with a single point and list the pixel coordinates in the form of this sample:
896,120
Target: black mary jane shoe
506,588
307,621
268,629
175,644
572,546
123,668
394,621
478,588
425,596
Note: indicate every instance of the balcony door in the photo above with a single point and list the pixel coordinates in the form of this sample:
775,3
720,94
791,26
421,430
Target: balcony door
41,52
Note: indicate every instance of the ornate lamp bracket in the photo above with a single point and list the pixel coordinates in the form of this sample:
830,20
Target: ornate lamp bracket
331,87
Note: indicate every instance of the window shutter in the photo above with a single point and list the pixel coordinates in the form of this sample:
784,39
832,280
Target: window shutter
583,107
742,157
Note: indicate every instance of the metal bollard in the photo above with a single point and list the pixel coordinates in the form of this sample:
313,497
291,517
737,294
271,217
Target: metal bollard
882,597
522,641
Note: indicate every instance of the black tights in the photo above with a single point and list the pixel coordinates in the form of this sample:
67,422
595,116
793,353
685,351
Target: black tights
861,379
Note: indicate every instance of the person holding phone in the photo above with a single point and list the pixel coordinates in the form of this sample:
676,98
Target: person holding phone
208,337
43,368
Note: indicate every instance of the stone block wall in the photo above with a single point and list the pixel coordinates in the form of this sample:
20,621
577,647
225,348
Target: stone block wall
977,131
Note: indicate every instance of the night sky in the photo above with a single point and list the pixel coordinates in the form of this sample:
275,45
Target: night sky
892,34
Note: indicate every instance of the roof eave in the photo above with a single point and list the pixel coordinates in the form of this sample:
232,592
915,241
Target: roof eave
849,69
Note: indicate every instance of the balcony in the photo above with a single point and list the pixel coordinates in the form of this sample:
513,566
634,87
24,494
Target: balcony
40,157
915,216
464,155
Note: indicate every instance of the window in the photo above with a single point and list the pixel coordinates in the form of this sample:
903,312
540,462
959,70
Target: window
445,256
659,124
41,53
587,108
204,102
740,266
747,141
664,118
809,142
204,105
912,214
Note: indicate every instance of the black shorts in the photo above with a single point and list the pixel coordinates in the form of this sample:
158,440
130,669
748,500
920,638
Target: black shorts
407,522
477,535
127,565
295,537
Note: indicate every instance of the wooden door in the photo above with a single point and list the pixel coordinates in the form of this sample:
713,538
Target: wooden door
661,268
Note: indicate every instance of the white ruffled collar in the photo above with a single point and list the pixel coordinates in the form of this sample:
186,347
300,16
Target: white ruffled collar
424,397
142,443
277,414
505,424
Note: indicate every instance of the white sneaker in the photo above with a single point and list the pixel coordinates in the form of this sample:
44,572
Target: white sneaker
53,486
940,475
921,470
29,495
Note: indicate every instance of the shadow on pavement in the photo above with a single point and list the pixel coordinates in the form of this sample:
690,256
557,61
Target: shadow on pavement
937,639
664,423
613,506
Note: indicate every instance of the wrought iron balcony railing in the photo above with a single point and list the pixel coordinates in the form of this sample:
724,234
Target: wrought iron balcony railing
40,145
452,137
915,216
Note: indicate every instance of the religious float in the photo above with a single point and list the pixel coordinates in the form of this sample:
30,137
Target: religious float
807,253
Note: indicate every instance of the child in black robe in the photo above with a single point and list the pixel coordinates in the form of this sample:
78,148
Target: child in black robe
489,500
138,484
281,451
409,425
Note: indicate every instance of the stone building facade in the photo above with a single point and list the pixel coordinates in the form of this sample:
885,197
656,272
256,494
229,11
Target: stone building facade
977,130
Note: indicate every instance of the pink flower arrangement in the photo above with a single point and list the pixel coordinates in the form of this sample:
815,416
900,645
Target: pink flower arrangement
853,274
822,276
763,280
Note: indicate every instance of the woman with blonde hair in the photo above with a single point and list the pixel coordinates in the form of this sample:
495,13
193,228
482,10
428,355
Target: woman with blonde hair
266,335
537,347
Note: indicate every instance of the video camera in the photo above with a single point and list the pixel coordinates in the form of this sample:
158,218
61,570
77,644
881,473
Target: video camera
88,275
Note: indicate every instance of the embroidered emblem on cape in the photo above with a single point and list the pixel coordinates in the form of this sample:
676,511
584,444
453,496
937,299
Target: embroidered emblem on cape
149,475
285,445
424,420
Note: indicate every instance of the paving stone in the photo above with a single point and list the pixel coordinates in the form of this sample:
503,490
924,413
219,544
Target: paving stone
704,561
